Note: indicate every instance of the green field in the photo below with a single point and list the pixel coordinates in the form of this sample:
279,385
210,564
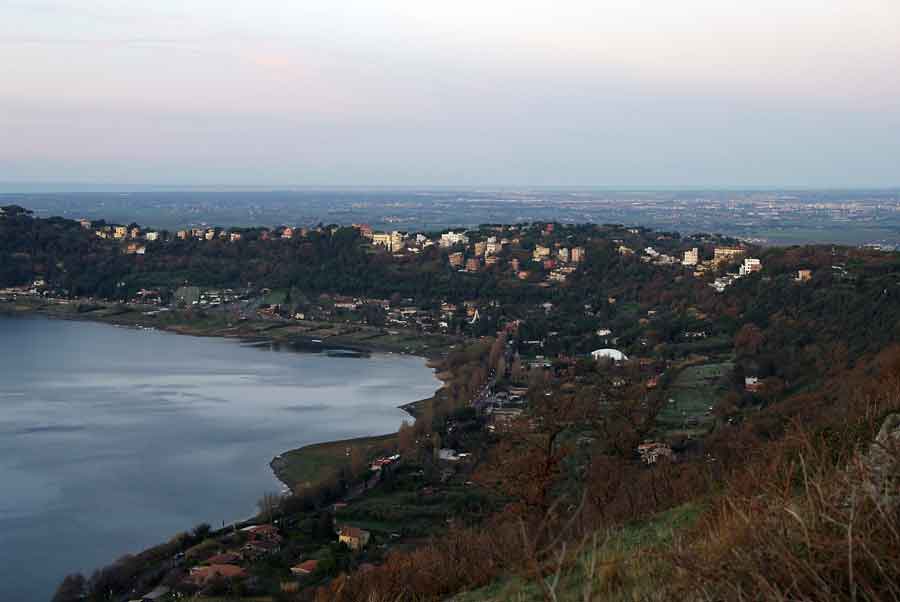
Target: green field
694,391
276,297
313,464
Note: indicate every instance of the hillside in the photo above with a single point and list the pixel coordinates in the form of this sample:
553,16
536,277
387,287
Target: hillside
629,414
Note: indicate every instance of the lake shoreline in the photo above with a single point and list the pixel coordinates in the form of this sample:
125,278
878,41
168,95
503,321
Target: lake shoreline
251,332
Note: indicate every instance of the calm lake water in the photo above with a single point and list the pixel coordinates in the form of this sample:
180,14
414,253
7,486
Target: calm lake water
113,439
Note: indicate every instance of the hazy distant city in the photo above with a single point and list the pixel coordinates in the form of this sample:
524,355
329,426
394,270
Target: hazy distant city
857,217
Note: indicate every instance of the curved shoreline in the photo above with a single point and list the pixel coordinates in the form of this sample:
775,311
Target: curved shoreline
279,465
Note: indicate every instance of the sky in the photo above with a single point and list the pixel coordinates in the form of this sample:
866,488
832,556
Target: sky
712,93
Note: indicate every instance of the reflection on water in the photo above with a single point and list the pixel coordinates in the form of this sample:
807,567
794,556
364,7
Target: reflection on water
112,439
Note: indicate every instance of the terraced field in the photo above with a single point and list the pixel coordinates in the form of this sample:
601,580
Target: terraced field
690,399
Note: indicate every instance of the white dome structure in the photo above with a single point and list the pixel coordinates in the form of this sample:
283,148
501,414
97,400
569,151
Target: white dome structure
609,354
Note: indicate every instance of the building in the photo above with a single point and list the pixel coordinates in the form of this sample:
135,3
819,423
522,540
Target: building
203,574
396,241
563,254
504,418
609,354
804,275
557,276
449,239
210,234
135,232
577,255
234,236
455,259
356,539
262,532
540,253
447,454
473,264
120,232
305,568
152,236
287,233
691,257
726,254
224,558
365,230
259,548
652,451
750,265
382,239
480,248
753,384
492,247
85,223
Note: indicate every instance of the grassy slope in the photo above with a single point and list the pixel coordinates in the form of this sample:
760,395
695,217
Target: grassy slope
623,560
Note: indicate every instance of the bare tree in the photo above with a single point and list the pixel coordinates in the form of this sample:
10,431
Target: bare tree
268,505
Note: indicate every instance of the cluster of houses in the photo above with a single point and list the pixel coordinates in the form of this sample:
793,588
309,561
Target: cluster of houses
691,258
556,260
749,266
259,541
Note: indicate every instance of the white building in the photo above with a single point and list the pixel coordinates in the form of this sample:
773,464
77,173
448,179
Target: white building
449,239
691,257
609,354
750,265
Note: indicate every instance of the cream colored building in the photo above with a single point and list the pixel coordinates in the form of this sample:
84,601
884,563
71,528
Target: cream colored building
691,257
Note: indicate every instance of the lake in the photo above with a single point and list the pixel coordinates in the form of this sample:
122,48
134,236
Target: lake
113,439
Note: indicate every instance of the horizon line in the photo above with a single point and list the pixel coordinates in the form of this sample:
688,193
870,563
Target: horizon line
37,187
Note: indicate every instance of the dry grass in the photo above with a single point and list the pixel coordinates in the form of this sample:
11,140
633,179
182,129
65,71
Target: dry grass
807,525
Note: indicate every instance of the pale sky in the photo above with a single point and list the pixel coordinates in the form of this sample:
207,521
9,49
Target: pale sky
463,92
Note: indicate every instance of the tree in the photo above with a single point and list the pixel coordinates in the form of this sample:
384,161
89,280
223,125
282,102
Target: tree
201,532
425,421
72,589
498,349
749,340
406,437
436,449
358,464
268,505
